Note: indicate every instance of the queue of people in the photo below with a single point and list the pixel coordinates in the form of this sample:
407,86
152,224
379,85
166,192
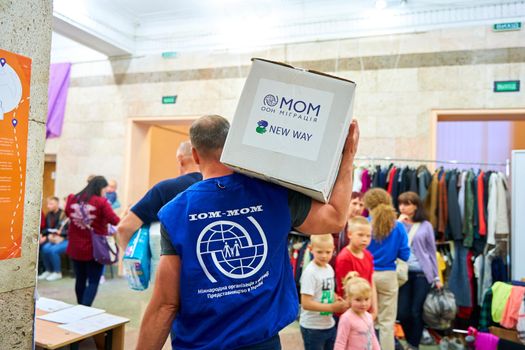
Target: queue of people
376,244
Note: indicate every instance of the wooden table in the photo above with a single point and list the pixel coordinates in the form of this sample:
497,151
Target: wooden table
49,336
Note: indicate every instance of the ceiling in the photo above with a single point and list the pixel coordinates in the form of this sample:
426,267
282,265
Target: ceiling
95,29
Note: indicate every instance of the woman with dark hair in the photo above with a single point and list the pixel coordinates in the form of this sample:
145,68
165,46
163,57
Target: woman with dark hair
357,206
389,242
88,210
422,267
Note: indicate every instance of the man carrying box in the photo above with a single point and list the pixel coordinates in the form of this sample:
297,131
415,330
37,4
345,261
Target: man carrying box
229,232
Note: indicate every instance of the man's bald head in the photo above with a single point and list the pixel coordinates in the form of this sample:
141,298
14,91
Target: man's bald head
185,159
184,149
208,135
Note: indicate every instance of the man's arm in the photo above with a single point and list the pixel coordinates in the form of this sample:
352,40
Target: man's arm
126,228
163,306
332,216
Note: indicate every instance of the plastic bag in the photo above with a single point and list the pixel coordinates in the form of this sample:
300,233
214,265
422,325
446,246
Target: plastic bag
439,309
137,260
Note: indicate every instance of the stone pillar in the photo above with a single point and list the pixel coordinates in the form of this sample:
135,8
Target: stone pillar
25,29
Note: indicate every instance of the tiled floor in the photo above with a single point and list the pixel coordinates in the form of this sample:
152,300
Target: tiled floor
115,297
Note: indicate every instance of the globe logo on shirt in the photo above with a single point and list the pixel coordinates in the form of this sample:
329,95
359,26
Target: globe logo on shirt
231,249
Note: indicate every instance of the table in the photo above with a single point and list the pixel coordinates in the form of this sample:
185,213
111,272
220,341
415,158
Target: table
49,336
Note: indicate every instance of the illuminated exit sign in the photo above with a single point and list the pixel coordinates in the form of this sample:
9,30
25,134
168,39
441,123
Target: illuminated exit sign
507,86
505,27
169,100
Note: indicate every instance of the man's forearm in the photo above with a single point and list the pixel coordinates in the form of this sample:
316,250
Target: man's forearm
126,228
156,326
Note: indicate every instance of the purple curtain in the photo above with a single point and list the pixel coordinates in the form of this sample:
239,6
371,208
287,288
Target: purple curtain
57,96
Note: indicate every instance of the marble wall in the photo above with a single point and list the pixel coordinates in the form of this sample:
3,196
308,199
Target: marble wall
25,28
400,80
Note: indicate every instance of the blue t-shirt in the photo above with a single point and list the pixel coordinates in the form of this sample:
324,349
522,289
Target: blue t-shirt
231,235
160,194
394,246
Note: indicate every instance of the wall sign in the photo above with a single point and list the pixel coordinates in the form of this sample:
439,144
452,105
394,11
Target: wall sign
505,27
15,74
169,100
507,86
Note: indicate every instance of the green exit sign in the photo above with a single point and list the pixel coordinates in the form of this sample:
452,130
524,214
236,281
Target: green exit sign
169,54
507,86
505,27
169,100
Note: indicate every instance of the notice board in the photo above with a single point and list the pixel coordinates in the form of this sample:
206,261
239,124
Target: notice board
15,75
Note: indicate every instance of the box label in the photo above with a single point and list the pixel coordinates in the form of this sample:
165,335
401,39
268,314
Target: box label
288,119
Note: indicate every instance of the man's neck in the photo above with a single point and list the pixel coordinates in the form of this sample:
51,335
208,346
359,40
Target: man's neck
211,169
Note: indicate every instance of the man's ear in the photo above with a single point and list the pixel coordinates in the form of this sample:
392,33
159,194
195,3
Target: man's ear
195,156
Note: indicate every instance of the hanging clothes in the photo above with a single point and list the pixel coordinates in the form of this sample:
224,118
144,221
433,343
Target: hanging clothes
510,314
468,219
497,212
356,187
442,206
454,215
365,181
500,295
432,200
459,281
481,205
424,177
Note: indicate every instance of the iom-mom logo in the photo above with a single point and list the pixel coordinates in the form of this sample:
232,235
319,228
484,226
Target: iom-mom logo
261,126
291,107
271,100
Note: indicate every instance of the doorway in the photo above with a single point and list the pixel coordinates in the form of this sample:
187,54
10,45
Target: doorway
48,182
151,153
478,136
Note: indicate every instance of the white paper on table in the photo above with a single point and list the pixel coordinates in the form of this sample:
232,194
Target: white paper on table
51,305
93,323
71,314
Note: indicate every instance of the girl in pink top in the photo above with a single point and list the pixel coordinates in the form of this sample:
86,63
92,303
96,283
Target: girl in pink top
356,326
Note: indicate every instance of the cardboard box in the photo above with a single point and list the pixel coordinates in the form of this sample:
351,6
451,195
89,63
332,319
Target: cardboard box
290,127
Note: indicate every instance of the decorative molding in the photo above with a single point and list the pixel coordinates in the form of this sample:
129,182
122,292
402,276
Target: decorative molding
412,60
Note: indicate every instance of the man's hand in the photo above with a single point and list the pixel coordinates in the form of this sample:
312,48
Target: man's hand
332,216
352,140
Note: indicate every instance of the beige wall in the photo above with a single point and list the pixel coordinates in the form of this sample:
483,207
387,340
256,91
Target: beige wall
400,80
26,29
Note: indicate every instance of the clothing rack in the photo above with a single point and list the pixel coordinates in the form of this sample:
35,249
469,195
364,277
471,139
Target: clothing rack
506,164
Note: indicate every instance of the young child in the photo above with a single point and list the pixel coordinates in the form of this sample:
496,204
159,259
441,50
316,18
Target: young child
318,300
355,257
356,326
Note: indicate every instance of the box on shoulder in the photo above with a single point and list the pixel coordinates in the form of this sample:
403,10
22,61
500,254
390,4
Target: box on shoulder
290,127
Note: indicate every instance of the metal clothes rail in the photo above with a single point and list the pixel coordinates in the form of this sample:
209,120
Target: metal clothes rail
506,164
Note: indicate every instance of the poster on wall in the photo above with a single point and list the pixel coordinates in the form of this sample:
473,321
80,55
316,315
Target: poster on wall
15,74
